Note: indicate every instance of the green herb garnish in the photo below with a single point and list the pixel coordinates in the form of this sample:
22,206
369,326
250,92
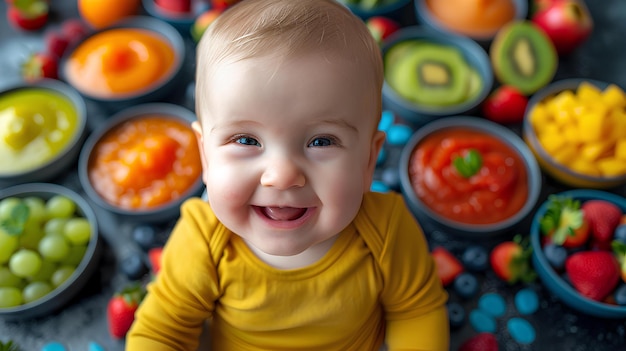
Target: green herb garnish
468,165
14,225
563,216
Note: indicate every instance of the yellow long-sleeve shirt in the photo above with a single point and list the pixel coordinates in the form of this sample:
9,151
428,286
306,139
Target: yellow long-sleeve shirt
377,284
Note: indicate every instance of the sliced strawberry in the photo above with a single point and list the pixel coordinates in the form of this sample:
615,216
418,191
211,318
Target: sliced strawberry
564,222
603,217
593,273
40,65
480,342
448,266
381,27
28,20
510,261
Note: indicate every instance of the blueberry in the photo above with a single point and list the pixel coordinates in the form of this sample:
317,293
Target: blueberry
456,314
475,258
133,266
556,255
620,233
145,236
620,295
466,285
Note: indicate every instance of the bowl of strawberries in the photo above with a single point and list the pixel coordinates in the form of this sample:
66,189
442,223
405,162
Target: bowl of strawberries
578,239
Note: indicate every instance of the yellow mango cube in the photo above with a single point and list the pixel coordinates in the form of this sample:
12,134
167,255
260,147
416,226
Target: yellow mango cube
582,166
565,155
571,133
563,101
551,142
612,167
588,93
539,116
594,150
613,96
591,126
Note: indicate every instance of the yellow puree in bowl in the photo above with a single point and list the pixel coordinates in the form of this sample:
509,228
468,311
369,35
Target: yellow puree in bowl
35,126
120,62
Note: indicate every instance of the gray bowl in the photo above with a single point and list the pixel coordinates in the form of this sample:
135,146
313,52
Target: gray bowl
474,55
160,213
65,157
473,231
153,92
60,296
425,17
183,21
393,10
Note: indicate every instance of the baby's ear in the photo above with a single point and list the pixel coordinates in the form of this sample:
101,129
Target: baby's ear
378,140
197,130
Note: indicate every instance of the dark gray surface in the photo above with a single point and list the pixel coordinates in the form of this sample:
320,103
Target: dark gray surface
558,327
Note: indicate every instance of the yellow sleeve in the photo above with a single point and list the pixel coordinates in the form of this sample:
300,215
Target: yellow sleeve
413,297
182,296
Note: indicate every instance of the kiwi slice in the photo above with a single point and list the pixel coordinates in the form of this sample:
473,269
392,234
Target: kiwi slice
522,55
428,73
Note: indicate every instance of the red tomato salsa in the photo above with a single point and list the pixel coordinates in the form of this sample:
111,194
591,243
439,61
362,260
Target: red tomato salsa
145,162
496,191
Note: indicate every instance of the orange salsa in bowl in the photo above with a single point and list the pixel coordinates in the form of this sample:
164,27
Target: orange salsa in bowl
470,175
145,161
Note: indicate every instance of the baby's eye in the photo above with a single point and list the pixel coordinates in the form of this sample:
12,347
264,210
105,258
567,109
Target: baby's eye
323,141
246,140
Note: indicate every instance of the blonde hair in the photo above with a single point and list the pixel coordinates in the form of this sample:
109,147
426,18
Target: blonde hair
286,28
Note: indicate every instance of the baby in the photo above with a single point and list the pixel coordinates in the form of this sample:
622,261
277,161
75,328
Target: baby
292,251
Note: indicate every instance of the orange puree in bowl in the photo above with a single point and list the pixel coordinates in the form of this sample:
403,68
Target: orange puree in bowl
119,62
475,18
145,162
497,191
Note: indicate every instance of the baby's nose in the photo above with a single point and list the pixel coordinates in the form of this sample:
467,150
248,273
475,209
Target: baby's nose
283,173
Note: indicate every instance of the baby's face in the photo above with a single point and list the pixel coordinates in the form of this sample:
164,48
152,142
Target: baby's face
288,151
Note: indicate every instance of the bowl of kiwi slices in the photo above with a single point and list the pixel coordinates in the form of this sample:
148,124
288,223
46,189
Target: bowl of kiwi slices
429,75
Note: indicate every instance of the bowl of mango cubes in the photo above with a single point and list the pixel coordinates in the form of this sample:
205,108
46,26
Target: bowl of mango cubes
577,130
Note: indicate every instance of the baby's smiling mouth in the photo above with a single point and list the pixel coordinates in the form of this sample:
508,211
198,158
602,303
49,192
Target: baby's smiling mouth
282,213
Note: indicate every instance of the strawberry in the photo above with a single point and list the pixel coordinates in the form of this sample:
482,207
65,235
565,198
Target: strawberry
28,14
56,43
505,105
121,309
381,27
154,256
593,273
480,342
564,222
510,261
223,4
74,30
603,217
40,65
448,266
178,6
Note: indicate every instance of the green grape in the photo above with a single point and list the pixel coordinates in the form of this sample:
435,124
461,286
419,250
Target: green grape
61,275
55,225
36,207
78,230
60,206
31,235
75,256
7,278
46,271
6,206
35,290
25,263
54,247
10,297
8,245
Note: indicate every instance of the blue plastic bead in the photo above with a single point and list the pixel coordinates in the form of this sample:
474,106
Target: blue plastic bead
492,304
526,301
399,134
379,186
53,346
482,322
94,346
521,330
386,121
